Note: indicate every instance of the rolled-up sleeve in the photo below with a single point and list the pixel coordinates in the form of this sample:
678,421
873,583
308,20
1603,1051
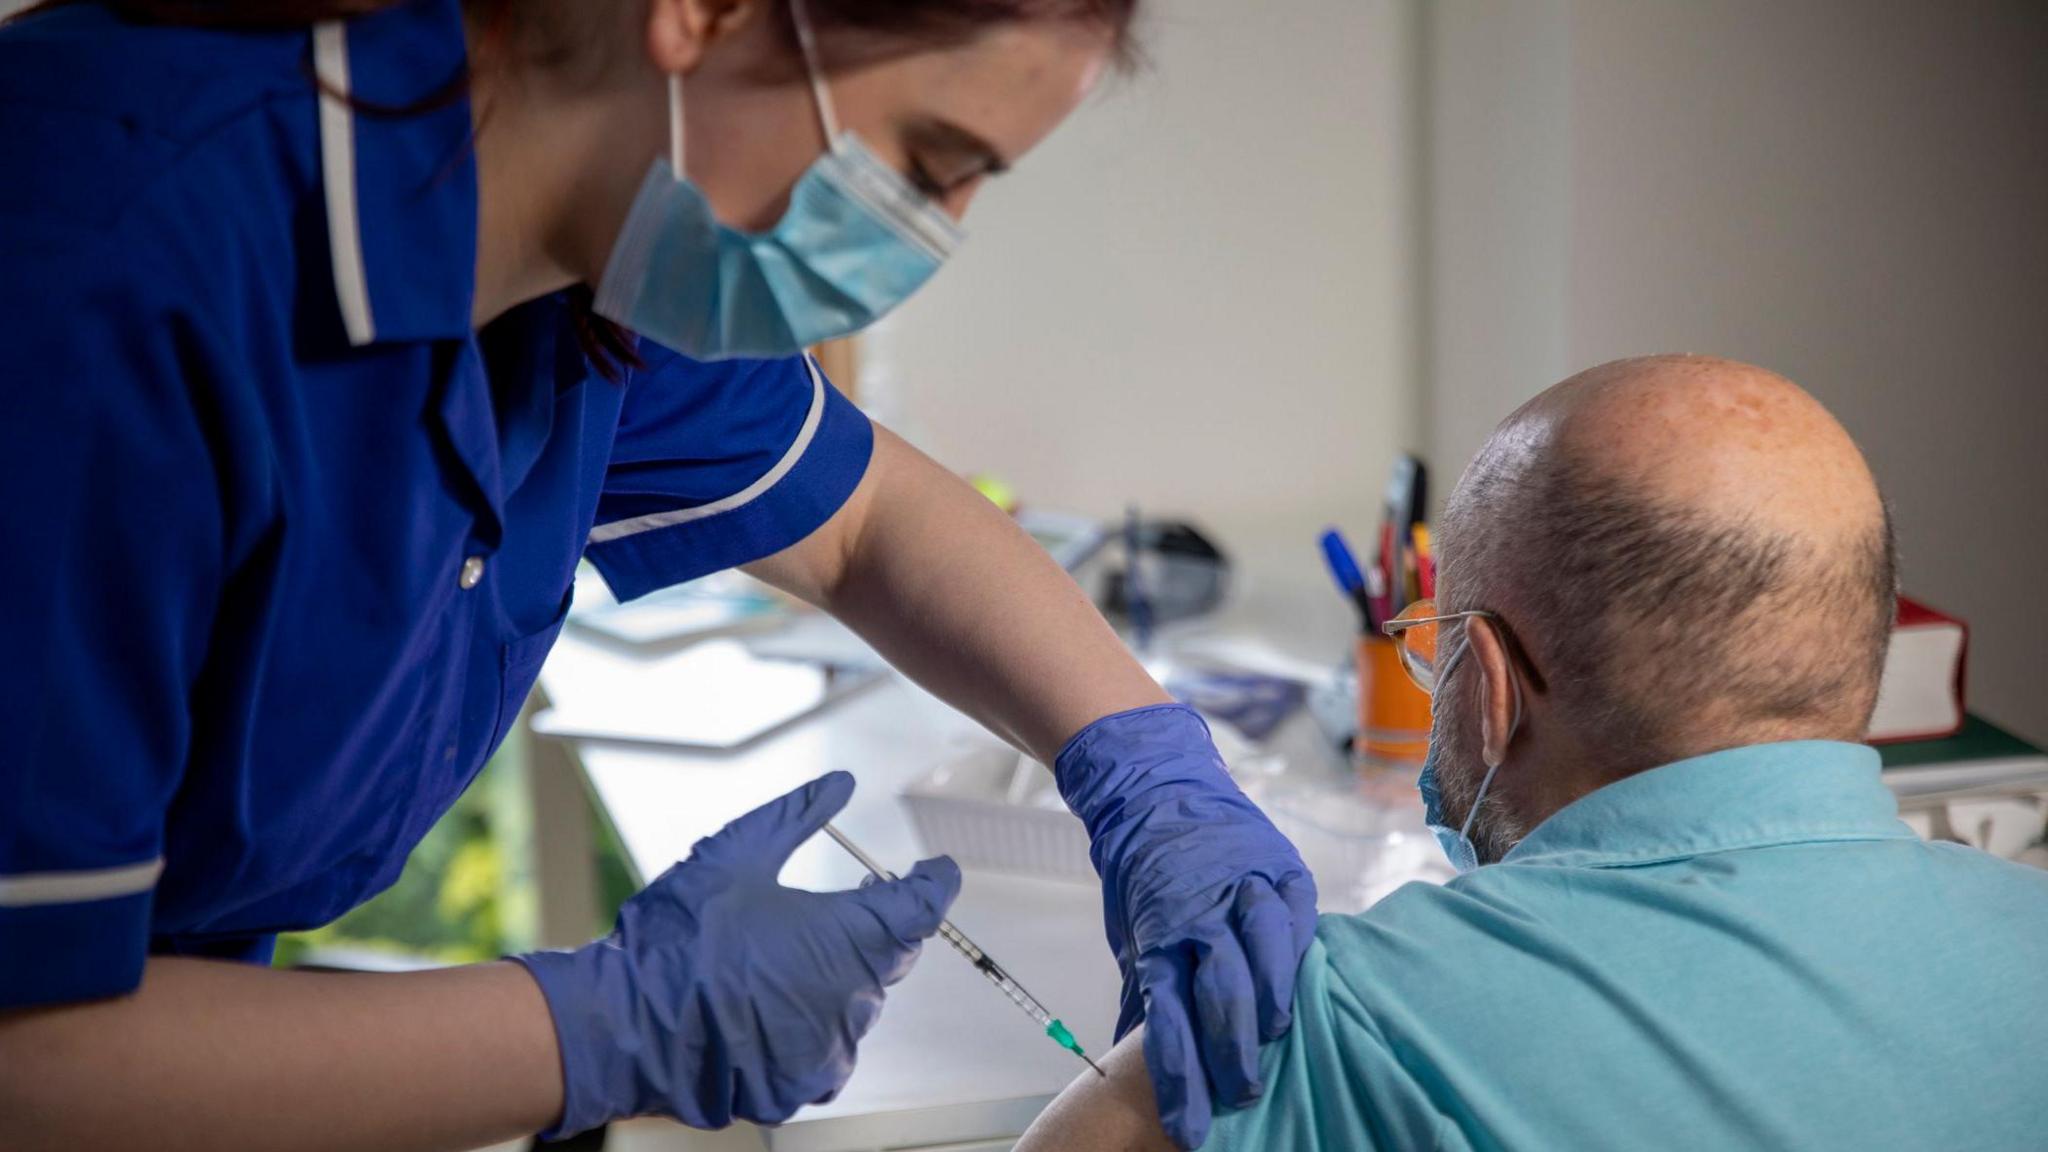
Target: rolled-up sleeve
721,464
111,529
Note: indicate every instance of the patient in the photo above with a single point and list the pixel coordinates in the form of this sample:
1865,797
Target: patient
1699,923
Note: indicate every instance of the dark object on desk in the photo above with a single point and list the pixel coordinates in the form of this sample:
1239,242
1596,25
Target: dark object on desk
1137,601
1181,574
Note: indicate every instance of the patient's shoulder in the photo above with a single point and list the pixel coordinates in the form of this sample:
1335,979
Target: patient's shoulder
1422,930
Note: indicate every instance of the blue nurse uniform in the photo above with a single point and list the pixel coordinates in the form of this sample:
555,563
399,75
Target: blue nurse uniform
283,542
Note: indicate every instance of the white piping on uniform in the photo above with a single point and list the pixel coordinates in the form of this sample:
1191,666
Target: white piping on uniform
338,175
619,529
29,889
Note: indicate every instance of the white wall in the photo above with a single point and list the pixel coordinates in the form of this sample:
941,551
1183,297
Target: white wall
1497,171
1852,193
1197,295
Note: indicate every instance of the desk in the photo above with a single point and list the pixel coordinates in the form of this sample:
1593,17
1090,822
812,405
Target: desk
951,1062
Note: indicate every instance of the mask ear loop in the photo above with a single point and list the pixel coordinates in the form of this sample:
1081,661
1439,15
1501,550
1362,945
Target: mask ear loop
1514,724
675,124
821,96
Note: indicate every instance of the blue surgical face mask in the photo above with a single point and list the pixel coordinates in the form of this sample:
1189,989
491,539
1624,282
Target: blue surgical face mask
856,241
1457,844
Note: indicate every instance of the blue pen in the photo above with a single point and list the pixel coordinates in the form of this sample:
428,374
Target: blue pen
1350,579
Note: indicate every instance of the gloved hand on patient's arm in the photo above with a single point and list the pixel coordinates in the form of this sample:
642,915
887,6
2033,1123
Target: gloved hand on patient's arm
723,995
1208,908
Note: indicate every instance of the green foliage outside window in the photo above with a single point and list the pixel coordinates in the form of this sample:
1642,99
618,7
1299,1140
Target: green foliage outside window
467,891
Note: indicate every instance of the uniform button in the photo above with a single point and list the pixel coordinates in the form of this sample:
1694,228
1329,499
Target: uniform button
472,573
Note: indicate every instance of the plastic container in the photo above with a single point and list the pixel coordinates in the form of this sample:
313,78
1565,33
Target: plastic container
966,810
991,808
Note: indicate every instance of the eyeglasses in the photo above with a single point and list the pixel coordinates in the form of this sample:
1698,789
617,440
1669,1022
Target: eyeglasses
1414,632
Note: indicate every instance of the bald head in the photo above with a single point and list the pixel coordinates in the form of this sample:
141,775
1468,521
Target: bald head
1716,437
1692,549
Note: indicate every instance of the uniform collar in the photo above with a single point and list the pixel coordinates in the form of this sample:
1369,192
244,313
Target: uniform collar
398,171
1787,793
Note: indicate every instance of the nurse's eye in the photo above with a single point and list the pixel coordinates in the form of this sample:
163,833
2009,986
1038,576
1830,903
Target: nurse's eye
921,178
946,158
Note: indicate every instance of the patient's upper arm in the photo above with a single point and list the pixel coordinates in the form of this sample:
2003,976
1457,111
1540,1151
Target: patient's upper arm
1094,1114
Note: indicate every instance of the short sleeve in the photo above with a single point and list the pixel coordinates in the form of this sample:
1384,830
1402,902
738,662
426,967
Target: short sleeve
1333,1082
111,526
718,464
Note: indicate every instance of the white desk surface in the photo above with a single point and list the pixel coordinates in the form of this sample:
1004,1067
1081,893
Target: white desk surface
950,1060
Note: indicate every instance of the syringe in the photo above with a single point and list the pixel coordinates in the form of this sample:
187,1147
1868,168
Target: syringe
982,961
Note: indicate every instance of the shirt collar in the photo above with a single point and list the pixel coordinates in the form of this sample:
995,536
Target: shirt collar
1786,793
398,171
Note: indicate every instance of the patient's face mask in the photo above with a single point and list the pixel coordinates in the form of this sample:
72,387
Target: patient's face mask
1457,844
856,241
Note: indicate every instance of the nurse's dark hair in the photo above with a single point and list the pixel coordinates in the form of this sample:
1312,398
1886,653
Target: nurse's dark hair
853,31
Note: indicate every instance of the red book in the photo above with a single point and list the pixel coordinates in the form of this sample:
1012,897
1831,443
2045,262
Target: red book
1921,696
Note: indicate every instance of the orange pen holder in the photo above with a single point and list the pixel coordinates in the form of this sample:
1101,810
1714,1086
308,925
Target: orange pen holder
1393,714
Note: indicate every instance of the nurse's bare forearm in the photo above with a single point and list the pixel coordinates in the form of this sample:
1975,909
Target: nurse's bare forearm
947,587
209,1054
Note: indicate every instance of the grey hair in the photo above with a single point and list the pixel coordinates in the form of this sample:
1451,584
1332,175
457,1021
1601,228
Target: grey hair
1645,617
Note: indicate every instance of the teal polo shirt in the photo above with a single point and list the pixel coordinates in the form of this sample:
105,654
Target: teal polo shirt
1743,950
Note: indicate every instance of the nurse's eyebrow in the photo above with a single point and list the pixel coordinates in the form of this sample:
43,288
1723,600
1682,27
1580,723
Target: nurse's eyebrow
944,136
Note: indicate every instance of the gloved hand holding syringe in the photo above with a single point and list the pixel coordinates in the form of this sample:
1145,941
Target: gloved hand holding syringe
982,961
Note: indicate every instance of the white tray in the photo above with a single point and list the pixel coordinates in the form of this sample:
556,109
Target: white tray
963,809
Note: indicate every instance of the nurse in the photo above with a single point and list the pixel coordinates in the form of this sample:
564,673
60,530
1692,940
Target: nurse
333,333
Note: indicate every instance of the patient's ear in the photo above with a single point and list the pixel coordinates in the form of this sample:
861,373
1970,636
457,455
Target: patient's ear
1496,690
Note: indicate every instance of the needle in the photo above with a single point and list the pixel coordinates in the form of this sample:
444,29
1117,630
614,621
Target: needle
982,961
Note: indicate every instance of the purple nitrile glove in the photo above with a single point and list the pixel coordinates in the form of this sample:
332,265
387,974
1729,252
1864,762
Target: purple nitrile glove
1208,907
722,994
